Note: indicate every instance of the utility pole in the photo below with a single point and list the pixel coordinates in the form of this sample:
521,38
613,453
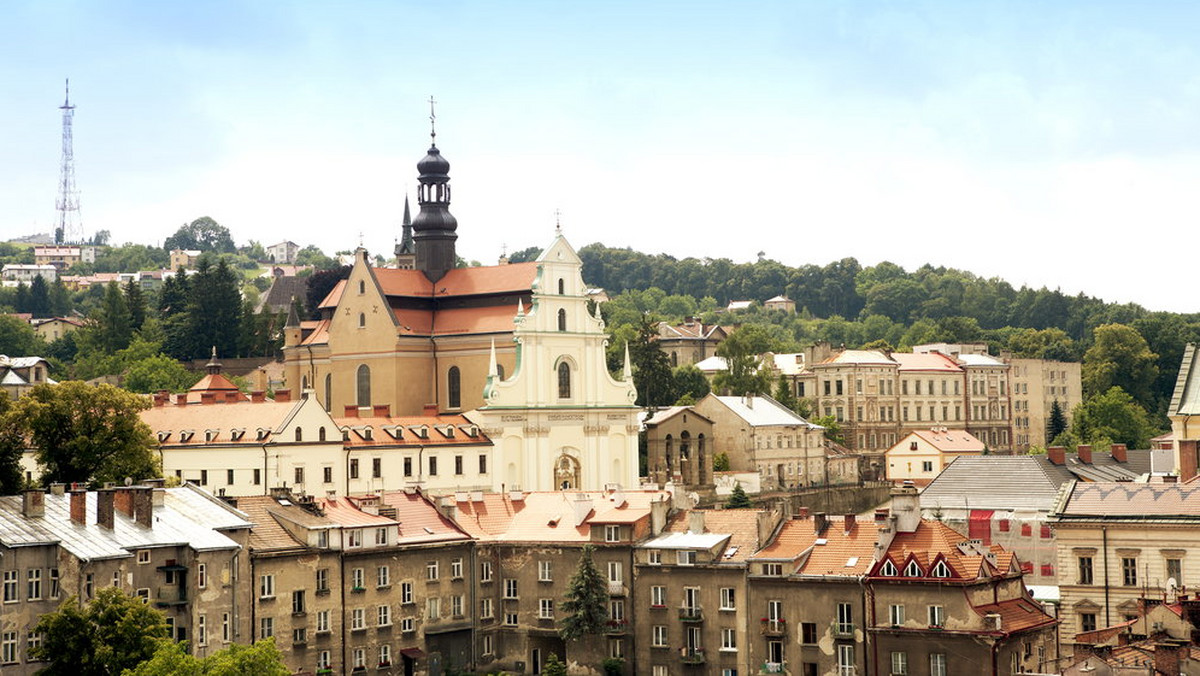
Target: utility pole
70,227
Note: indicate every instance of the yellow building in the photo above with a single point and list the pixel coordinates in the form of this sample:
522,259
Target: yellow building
921,455
513,347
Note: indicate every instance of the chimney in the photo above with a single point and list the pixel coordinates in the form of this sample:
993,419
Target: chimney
696,521
283,395
161,398
79,506
1057,455
659,511
33,505
582,506
123,500
430,410
820,523
159,498
1168,658
881,516
1170,479
849,523
208,397
907,507
257,396
992,621
382,410
1084,452
802,513
104,508
143,505
181,399
1188,458
58,489
1118,453
351,410
448,507
766,522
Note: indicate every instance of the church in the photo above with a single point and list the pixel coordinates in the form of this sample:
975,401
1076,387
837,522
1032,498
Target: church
513,347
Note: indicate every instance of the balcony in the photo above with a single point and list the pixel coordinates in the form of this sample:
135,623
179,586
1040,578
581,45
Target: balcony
774,627
616,627
691,656
170,595
691,614
842,629
617,588
771,668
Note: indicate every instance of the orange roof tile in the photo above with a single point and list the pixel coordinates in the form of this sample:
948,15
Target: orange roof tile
319,335
951,441
836,551
740,524
381,429
268,535
1017,614
224,418
343,512
934,538
455,321
928,361
420,520
491,279
548,516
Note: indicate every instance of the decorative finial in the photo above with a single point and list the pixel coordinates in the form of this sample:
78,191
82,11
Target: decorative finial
432,121
214,352
360,239
557,222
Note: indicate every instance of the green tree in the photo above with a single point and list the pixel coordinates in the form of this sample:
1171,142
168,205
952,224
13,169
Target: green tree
833,429
585,604
1057,423
214,311
785,396
39,298
88,434
689,381
1120,357
1111,417
742,351
1052,344
60,299
738,499
172,297
135,300
312,255
554,666
173,659
158,372
111,633
651,368
12,446
203,234
17,338
720,462
113,324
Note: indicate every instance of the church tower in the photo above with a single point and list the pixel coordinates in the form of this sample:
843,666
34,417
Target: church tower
434,228
406,255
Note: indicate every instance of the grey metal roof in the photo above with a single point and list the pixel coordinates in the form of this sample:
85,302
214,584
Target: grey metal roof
181,522
995,482
762,411
687,540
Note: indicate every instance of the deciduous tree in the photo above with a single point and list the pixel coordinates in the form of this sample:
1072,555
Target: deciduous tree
173,659
111,633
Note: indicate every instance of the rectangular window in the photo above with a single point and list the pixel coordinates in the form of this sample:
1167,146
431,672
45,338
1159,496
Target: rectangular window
510,588
927,466
354,468
658,636
545,609
355,537
1175,570
408,467
433,467
225,627
485,609
297,601
937,616
456,605
385,655
728,598
299,475
456,568
55,587
8,648
11,595
360,658
485,571
510,619
845,658
685,557
322,579
407,625
257,477
615,571
845,618
202,630
383,616
322,621
896,615
458,465
728,639
431,570
358,619
616,610
327,474
406,592
299,636
323,659
654,557
381,536
202,576
266,627
357,580
1085,570
266,586
900,660
1087,621
612,533
658,596
1129,571
433,608
203,477
482,464
544,572
143,556
808,633
377,468
34,587
487,645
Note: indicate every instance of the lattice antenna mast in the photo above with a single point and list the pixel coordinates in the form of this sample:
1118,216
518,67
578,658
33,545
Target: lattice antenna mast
70,225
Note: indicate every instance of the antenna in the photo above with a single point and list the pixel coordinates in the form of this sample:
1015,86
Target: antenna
70,227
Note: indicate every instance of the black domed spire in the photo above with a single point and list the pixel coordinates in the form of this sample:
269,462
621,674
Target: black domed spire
434,227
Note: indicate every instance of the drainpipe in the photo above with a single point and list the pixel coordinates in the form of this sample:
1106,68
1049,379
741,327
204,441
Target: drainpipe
346,468
1104,537
869,614
265,484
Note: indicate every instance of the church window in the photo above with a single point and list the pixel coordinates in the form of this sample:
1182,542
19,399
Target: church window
564,380
454,387
674,359
362,287
364,385
328,392
321,433
299,435
562,286
562,319
362,320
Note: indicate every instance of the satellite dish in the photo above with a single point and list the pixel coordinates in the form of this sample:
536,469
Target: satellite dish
128,481
694,498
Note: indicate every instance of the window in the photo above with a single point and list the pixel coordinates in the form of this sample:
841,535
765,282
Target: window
407,625
383,615
406,592
1129,571
900,660
510,588
322,621
363,384
510,619
358,619
937,616
456,568
937,664
266,627
298,601
408,467
456,605
1087,621
728,639
55,588
432,466
1175,569
322,579
266,586
896,615
485,571
772,569
485,609
1085,570
615,571
562,319
34,587
458,465
658,596
299,471
487,645
323,660
143,556
545,609
385,655
383,576
357,579
926,465
431,570
808,633
8,648
327,473
482,464
845,618
433,608
616,610
257,477
360,658
685,557
381,536
654,557
454,387
355,537
564,380
612,533
845,659
89,583
658,636
354,468
940,570
728,599
544,571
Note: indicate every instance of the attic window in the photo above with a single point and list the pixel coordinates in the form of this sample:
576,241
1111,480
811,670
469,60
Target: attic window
237,434
345,434
940,570
261,434
912,570
366,432
186,435
210,435
888,569
421,431
394,431
447,431
470,430
163,436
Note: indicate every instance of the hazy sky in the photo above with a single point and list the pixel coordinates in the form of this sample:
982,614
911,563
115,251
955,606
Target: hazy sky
1051,144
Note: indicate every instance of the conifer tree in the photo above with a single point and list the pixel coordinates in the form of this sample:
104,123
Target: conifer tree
1057,424
136,300
586,600
39,298
738,499
114,328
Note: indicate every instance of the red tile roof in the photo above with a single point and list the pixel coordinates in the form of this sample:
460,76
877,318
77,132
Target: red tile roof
548,516
1017,614
382,428
929,361
933,541
344,512
834,551
740,524
224,419
420,520
951,441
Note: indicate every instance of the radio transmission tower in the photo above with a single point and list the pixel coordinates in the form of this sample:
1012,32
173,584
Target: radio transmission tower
70,226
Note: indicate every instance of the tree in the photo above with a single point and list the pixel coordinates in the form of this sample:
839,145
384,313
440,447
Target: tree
202,234
585,603
554,666
39,298
652,374
689,381
173,659
319,285
88,434
111,633
738,498
833,429
135,300
525,255
720,462
17,338
312,255
1111,417
214,311
742,350
158,372
12,446
1120,357
785,396
113,323
1057,423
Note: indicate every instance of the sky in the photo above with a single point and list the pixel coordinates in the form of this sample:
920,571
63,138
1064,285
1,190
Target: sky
1048,144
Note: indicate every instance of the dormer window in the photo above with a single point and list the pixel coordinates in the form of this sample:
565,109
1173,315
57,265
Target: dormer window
775,569
912,570
210,435
685,557
163,436
940,570
261,434
889,569
237,434
186,435
422,431
394,431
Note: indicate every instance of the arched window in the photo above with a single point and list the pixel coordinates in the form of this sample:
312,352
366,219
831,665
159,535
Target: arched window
299,434
454,387
670,451
363,381
321,434
362,320
362,287
562,285
685,440
564,380
303,383
562,319
674,359
328,392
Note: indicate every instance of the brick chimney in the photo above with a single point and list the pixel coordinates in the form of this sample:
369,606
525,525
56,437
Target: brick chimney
181,399
848,520
696,521
161,397
1118,453
1084,452
33,504
104,508
79,506
208,397
430,410
283,395
143,505
123,500
820,523
1057,455
1168,657
1187,459
257,396
381,410
351,410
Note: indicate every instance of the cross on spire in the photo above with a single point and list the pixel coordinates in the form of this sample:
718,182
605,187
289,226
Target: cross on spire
432,121
558,221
